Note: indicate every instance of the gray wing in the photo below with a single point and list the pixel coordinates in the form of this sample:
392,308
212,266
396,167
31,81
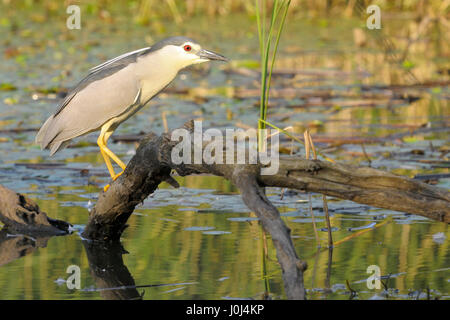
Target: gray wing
102,71
106,92
121,59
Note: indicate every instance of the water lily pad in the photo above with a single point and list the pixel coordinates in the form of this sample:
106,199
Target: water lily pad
333,229
216,232
243,219
439,237
196,228
370,225
306,220
5,86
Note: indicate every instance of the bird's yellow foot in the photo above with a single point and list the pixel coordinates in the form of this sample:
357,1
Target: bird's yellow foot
105,188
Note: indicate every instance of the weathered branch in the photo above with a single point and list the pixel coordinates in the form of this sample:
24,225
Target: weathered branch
364,185
152,164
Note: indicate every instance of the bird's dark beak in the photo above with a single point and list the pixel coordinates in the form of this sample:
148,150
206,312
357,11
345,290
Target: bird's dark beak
206,54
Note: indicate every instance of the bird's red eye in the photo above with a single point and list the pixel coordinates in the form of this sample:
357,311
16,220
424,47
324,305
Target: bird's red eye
187,48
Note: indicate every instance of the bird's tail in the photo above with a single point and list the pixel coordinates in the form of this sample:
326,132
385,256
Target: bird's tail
40,136
55,146
46,137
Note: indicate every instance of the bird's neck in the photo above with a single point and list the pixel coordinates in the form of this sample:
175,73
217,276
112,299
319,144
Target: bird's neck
155,72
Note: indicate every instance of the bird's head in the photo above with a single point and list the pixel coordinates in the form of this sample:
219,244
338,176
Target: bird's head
183,52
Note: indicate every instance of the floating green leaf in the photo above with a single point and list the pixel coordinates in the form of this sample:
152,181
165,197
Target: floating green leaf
5,86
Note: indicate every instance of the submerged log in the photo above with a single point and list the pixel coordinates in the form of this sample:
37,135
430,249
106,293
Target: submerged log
21,214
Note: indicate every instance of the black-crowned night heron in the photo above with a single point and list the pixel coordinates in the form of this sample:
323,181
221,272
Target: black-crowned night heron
115,90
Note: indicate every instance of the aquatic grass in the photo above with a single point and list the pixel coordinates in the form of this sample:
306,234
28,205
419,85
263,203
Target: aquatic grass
268,53
268,57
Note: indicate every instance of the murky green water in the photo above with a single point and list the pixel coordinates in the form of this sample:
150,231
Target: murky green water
200,241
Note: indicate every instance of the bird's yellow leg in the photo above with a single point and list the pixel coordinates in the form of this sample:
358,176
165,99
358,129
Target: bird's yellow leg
101,145
110,153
